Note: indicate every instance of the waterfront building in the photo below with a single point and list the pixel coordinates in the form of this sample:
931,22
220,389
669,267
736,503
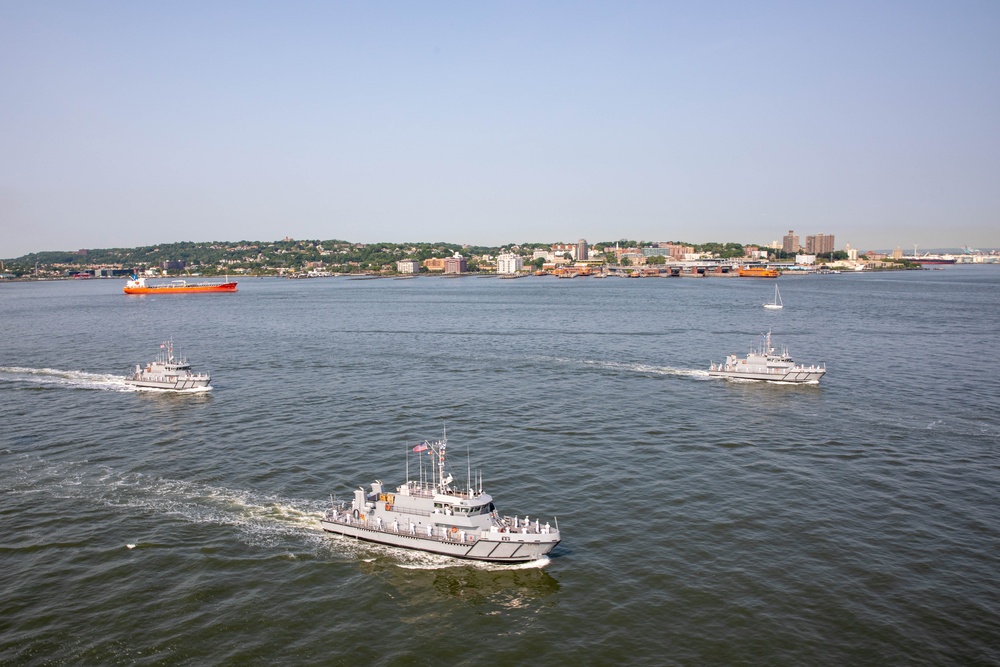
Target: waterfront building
790,242
455,264
581,250
509,263
805,259
434,264
408,266
819,244
672,250
564,249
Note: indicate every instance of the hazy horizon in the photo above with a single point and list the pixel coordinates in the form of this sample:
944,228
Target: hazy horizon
125,123
591,243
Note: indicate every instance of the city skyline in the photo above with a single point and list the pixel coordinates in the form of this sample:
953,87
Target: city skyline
129,125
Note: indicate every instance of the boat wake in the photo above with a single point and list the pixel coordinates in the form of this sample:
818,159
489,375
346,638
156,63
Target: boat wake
647,369
260,519
476,564
61,378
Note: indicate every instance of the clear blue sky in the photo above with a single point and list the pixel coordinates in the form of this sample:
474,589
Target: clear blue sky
133,123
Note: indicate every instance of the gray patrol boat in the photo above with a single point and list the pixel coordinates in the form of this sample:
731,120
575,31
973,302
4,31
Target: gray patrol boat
766,363
434,516
167,372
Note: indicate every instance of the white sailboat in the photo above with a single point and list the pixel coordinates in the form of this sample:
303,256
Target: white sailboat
776,304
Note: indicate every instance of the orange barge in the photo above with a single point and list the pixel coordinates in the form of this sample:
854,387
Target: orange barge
138,285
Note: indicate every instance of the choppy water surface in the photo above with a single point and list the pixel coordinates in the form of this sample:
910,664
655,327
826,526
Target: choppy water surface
704,521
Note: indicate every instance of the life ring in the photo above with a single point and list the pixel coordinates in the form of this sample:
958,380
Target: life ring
362,517
356,514
388,507
454,529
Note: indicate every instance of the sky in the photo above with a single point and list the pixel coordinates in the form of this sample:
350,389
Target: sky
136,123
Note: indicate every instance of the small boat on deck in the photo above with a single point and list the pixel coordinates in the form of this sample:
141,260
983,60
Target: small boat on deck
440,518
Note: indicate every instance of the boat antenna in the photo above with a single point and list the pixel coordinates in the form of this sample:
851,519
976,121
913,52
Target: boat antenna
468,463
407,463
444,445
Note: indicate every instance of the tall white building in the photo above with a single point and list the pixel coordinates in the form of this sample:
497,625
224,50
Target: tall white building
508,262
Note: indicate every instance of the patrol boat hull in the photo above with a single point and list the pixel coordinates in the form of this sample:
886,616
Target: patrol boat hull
804,375
513,548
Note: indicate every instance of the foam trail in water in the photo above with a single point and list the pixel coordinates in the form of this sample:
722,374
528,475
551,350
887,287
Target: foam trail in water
478,564
261,519
646,369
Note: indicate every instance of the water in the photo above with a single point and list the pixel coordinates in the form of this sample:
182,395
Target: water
705,521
